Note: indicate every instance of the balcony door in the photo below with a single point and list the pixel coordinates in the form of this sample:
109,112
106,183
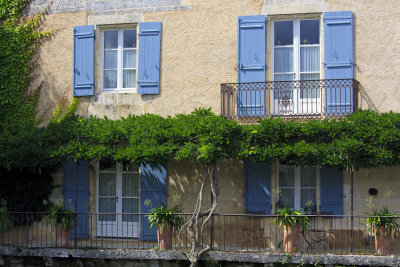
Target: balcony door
117,196
296,64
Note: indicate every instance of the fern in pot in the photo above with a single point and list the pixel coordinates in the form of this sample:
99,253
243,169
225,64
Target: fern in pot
383,223
291,220
5,221
62,219
166,221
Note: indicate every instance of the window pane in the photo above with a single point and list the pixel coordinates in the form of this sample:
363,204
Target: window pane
110,59
286,198
129,59
283,32
308,177
130,167
130,205
129,78
305,90
130,184
283,59
110,79
286,176
307,195
309,59
107,166
107,184
309,32
110,39
129,38
107,205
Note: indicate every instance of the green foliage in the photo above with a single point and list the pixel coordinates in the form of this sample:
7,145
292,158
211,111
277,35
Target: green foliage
162,217
5,219
291,217
365,139
20,39
58,213
382,217
63,110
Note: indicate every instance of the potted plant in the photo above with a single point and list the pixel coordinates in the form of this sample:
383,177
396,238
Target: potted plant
62,219
309,208
291,220
5,221
166,220
383,223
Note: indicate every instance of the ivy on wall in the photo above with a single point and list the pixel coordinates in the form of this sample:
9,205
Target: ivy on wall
20,38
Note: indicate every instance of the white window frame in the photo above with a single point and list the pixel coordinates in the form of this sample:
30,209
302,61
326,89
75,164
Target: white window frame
120,68
296,48
297,186
119,229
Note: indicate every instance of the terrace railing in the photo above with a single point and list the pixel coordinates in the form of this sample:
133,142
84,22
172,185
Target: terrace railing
226,232
248,102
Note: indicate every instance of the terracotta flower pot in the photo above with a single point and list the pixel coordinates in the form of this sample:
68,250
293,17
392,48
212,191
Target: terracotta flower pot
291,236
62,236
382,242
165,238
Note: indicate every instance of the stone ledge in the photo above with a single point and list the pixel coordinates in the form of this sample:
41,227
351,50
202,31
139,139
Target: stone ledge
130,254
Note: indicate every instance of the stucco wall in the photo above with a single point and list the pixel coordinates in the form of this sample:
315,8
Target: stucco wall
199,50
53,62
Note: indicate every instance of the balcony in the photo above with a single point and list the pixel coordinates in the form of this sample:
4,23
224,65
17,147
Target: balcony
330,239
318,99
226,232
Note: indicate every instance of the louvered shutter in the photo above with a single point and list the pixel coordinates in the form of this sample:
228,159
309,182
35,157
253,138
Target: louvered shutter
82,195
257,188
251,65
331,191
149,58
83,60
153,187
338,47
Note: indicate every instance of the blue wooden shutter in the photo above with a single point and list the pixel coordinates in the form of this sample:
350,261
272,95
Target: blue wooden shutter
83,60
257,188
82,195
331,191
338,32
251,65
149,58
153,187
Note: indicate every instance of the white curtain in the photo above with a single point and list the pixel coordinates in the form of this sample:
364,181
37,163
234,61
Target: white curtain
130,196
110,69
283,59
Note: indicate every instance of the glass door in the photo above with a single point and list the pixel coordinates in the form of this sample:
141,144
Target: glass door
296,63
117,199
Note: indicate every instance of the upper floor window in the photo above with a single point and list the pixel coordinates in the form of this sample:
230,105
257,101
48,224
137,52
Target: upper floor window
296,50
119,60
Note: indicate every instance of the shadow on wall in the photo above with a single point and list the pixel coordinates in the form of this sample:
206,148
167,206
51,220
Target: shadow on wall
184,180
365,102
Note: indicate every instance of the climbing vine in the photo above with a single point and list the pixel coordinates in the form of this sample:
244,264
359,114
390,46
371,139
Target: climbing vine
20,37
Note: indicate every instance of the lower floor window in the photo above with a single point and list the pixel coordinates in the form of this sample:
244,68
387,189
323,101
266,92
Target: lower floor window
117,199
297,187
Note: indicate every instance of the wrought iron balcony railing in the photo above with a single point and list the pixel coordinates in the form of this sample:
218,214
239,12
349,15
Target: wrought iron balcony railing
248,102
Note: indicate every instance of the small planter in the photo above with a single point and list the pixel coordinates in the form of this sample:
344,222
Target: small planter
62,236
291,236
382,242
166,221
164,236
